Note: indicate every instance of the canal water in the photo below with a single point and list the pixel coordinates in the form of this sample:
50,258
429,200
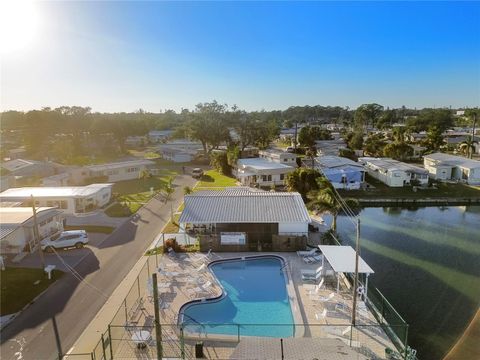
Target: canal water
427,263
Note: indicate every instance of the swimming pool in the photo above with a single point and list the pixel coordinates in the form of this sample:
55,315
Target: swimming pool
255,296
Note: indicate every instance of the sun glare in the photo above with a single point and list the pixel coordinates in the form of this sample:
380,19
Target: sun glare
18,25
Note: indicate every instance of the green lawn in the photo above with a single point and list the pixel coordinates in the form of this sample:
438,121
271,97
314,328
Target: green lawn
382,191
18,289
91,228
133,194
213,179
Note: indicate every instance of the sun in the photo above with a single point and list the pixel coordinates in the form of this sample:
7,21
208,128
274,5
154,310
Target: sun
18,24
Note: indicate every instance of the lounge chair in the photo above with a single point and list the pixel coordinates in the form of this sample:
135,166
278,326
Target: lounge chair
324,299
317,288
315,278
202,257
321,316
307,253
310,272
201,288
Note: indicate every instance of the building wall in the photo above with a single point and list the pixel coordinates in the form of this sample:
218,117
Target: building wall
63,203
292,228
23,237
392,179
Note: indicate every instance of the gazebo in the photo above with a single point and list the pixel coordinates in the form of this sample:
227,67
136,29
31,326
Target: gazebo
342,260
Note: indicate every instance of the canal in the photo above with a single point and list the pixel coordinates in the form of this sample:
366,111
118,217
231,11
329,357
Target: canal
427,263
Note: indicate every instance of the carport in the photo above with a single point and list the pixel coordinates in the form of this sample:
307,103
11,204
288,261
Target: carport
342,260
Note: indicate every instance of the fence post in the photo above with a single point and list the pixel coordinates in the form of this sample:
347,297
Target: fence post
148,267
158,328
103,349
111,342
92,356
406,341
182,344
125,307
238,332
138,286
281,347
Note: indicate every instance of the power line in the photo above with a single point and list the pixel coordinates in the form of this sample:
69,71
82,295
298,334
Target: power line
78,276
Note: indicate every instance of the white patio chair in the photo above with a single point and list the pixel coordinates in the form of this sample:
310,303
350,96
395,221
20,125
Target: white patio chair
307,253
322,316
324,299
316,288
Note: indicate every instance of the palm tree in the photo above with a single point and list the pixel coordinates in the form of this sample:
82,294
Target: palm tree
327,200
467,146
311,153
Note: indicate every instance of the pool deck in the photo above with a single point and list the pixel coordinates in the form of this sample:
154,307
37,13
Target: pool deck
181,280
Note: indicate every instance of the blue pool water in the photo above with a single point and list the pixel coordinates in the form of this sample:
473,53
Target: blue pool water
256,295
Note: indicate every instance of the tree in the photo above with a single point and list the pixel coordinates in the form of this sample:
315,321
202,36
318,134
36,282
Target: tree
311,153
168,189
348,153
398,151
309,134
355,139
434,138
207,125
219,161
187,190
467,147
367,114
325,199
374,145
302,180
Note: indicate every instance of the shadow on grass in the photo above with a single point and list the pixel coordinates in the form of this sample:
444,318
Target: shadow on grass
207,178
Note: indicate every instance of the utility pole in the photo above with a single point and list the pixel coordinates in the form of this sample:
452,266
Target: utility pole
158,327
473,133
295,138
355,283
36,234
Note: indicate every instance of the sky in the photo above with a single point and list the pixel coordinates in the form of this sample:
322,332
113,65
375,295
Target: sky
123,56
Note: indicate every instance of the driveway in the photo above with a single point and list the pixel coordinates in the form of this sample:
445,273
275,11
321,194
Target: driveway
69,305
70,257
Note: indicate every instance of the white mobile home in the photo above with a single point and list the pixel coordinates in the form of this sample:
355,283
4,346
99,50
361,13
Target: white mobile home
450,167
343,173
278,156
394,173
261,172
70,199
119,171
16,228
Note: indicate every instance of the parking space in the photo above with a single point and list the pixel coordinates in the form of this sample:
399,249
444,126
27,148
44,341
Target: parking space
70,257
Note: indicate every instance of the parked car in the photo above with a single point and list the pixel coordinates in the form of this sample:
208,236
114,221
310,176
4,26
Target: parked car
66,239
290,149
197,173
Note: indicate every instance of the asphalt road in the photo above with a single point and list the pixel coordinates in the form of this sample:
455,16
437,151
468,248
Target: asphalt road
70,305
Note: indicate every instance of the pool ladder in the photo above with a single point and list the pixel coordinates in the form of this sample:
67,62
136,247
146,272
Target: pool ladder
286,266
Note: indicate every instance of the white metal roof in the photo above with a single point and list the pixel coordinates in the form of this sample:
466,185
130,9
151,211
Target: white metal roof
388,164
243,206
331,161
342,259
17,164
262,164
452,160
11,218
52,191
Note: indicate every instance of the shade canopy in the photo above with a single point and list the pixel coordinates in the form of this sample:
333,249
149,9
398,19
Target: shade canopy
342,259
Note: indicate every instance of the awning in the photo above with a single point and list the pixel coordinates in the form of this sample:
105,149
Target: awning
342,259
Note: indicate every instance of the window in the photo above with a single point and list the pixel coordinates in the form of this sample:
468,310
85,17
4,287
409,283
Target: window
269,177
63,204
264,177
282,176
